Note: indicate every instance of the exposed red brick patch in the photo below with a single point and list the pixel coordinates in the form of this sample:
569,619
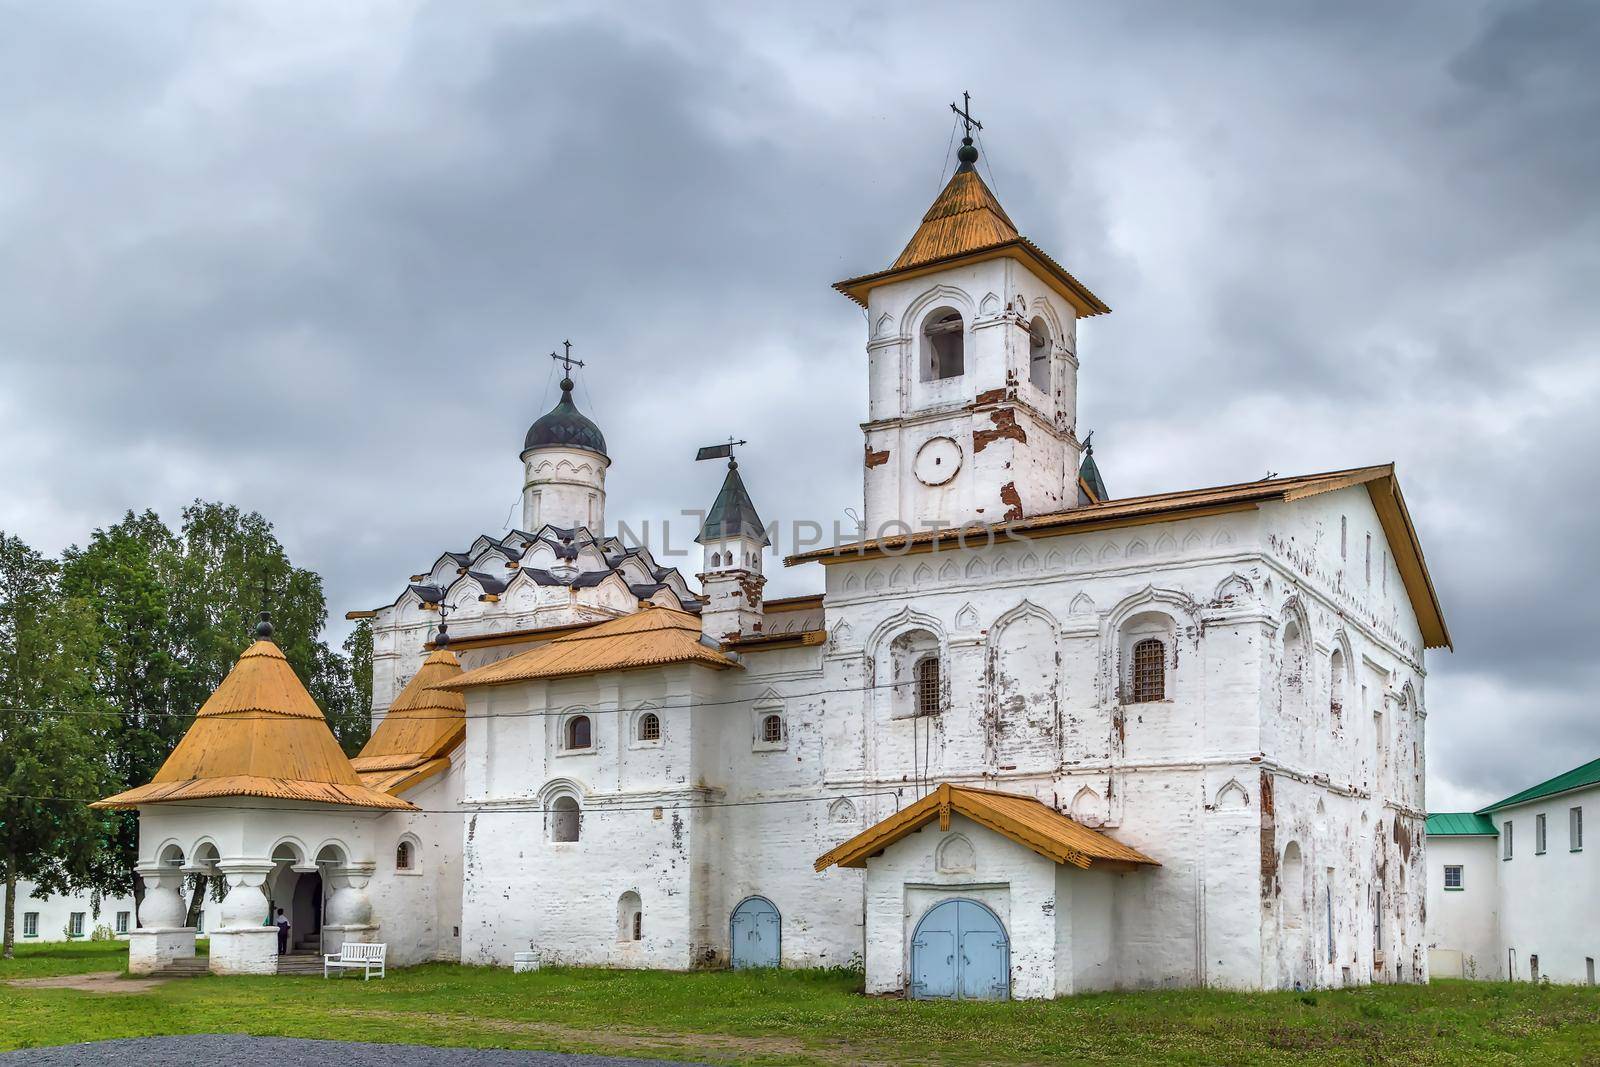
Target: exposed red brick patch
876,459
1013,501
1005,426
990,396
1269,839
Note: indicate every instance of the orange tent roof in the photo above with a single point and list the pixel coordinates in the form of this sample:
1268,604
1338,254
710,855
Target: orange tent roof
259,735
650,637
1021,818
417,734
966,224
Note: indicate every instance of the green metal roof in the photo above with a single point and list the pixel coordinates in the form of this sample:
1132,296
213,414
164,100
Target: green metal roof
1459,824
1577,778
733,514
1089,471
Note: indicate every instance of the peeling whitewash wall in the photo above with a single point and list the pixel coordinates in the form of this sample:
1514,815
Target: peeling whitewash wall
1275,815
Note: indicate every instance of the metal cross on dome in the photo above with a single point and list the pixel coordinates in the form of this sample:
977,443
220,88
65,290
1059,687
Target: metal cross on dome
965,111
565,358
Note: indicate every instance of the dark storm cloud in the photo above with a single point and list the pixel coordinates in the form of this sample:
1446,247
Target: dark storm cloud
309,260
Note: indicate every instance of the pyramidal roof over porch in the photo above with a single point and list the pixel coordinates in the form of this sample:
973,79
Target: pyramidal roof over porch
260,734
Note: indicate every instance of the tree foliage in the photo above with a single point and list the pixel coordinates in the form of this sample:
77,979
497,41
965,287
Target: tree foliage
53,724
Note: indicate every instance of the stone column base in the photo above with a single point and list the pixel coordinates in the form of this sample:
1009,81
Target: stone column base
152,948
335,936
245,950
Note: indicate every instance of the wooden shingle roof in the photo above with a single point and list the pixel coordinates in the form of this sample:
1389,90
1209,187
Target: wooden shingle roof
1021,818
650,637
259,735
418,732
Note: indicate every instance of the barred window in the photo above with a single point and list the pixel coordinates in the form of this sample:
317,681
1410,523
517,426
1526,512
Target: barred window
1452,876
928,685
402,856
649,727
1149,680
771,728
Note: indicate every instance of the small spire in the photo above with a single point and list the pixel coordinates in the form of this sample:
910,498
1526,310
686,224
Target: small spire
264,627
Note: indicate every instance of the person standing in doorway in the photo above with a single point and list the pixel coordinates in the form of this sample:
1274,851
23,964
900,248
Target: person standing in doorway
283,933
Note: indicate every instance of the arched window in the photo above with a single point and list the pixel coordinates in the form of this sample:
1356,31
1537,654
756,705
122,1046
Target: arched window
649,726
943,345
716,559
772,729
928,685
565,818
630,917
405,856
580,733
1039,355
1336,683
1148,679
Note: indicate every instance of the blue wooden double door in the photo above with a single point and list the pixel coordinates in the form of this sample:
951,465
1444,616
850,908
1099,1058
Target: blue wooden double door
960,952
756,933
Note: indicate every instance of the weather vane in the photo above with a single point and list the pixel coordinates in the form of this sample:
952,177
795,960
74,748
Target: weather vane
722,451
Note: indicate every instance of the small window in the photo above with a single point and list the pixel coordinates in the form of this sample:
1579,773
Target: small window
1575,829
565,818
1452,876
580,733
928,685
1344,537
638,926
404,857
630,916
123,918
75,924
30,924
944,342
649,726
1505,840
771,729
200,923
1538,834
1149,680
1533,966
1368,563
1039,355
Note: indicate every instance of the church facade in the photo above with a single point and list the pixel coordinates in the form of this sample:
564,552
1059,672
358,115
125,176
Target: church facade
1090,742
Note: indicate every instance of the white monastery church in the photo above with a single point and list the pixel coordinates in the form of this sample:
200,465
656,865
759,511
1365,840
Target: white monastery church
1090,742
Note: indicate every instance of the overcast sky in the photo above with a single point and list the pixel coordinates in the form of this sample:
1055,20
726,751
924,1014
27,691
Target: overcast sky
309,258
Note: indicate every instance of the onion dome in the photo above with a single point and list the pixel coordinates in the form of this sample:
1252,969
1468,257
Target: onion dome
564,426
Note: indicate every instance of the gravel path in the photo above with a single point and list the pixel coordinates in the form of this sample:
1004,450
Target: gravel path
237,1050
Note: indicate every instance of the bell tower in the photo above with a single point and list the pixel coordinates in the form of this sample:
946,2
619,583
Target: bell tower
972,368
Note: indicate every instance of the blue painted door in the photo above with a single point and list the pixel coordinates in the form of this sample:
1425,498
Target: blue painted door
757,933
960,950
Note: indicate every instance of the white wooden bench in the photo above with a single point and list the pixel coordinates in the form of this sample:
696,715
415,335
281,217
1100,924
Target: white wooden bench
356,956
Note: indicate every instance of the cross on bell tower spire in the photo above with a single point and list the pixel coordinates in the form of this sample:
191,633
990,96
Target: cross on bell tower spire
567,363
967,154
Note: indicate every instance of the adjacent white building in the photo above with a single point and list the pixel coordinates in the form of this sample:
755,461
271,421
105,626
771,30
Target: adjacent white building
1511,889
1159,741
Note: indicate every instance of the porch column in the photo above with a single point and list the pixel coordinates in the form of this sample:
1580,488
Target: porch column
244,942
161,936
349,914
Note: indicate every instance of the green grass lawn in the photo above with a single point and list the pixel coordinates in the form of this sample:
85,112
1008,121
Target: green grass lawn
810,1017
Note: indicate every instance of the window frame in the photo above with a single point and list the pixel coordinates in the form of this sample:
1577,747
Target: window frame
1540,825
926,695
1147,642
124,922
1575,828
935,324
648,721
1507,840
570,723
76,923
30,924
760,714
1461,873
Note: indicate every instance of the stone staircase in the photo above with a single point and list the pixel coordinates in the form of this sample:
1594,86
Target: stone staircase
300,963
185,967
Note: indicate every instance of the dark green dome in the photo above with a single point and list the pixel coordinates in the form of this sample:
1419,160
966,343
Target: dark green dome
564,426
